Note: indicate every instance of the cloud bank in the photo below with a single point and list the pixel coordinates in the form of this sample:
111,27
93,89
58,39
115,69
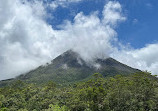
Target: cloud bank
27,40
144,58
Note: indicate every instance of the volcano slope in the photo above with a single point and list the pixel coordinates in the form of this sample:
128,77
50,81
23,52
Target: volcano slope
70,67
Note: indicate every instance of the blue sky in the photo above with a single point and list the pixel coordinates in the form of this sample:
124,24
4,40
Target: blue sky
139,29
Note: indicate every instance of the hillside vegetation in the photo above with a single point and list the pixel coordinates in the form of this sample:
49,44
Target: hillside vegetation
136,92
70,67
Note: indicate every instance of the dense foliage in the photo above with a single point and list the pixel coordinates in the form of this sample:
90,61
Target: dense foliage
137,92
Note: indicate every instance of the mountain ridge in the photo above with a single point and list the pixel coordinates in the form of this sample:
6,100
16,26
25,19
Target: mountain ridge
70,67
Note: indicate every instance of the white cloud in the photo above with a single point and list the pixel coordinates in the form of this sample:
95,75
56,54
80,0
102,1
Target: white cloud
135,21
65,66
27,41
23,37
145,58
88,36
112,13
63,3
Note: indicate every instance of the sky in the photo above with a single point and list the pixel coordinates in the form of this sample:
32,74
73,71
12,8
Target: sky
33,32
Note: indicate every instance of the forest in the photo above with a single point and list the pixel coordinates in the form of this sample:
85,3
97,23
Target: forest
134,92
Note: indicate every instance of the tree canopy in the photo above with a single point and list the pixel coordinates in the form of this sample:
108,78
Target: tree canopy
135,92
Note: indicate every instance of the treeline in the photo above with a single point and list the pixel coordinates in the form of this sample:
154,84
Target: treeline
136,92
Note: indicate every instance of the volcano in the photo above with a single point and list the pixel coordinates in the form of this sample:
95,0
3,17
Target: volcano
70,67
